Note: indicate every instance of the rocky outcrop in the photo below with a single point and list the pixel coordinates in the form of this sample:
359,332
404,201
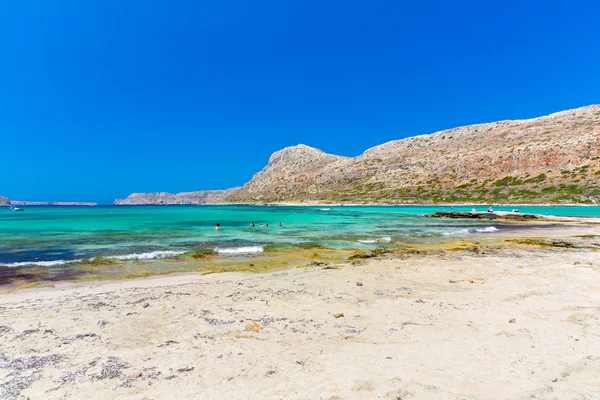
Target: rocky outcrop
4,201
486,216
184,198
551,159
54,203
288,172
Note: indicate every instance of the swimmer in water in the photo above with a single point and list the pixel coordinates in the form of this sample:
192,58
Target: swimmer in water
218,227
252,224
280,224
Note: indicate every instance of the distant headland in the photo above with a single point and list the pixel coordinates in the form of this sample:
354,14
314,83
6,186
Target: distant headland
553,159
5,201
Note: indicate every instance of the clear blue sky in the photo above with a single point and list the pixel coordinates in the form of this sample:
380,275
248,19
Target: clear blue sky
102,98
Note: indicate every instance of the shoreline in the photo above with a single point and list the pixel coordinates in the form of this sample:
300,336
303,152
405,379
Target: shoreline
35,276
517,320
304,204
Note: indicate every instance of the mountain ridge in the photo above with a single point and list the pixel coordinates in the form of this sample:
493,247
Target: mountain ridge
547,159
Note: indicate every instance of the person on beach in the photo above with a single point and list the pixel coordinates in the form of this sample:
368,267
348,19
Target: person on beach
252,224
218,227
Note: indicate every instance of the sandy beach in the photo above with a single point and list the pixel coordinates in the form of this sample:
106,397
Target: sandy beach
510,322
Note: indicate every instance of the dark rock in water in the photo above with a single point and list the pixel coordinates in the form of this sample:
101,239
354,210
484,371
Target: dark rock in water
145,305
484,216
444,214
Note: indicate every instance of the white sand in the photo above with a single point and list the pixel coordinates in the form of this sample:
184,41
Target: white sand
416,329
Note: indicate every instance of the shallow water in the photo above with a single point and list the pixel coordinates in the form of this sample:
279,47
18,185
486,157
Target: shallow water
57,237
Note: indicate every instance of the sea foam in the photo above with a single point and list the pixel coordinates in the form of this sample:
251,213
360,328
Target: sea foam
148,256
240,250
53,263
487,229
385,239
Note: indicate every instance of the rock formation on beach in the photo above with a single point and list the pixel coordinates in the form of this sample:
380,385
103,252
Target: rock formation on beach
184,198
4,201
551,159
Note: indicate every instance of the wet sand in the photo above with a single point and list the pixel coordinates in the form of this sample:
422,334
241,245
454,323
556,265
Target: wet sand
502,322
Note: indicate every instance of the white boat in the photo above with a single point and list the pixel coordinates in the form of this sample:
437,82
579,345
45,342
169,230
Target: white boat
13,208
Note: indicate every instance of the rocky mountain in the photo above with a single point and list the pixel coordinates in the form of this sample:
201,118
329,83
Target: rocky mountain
551,159
4,201
184,198
287,174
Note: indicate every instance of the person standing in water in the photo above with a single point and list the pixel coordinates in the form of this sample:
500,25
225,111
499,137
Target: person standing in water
252,224
218,227
281,224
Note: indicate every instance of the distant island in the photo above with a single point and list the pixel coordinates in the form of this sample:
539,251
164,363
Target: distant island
553,159
5,201
184,198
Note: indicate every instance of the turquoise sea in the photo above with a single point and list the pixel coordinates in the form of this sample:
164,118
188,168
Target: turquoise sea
54,237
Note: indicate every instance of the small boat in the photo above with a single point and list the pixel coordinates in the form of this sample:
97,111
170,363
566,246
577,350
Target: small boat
13,208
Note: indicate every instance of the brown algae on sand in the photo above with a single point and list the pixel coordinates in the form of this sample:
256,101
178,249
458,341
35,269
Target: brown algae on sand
572,243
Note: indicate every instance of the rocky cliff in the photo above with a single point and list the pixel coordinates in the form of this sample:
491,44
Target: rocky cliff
289,172
551,159
184,198
4,201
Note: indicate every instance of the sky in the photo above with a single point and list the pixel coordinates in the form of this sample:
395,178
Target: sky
99,99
